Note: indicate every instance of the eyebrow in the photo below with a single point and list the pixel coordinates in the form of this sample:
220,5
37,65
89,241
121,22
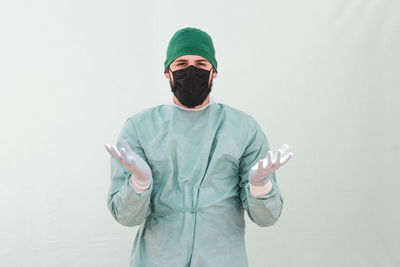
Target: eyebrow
180,60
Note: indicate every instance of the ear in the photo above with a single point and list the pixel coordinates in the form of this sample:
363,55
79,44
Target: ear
166,73
214,74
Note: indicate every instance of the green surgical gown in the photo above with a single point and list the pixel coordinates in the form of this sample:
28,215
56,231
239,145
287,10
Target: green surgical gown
193,212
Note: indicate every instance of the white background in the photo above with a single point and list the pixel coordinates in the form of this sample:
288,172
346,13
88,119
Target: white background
321,76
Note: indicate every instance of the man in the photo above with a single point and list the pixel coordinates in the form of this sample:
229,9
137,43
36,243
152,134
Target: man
185,172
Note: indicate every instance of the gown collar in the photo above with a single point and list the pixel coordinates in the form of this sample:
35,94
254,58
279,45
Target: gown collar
171,102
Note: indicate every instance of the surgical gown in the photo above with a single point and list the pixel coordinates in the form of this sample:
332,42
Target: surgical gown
193,212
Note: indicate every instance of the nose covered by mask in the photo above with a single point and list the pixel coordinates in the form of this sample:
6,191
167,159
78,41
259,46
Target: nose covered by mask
191,85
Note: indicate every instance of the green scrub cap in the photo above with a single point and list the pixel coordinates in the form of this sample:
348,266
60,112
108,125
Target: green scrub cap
190,41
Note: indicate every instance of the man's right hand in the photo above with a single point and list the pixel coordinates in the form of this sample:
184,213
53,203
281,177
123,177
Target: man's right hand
132,162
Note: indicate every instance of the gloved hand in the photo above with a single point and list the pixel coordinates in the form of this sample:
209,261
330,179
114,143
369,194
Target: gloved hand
132,162
261,172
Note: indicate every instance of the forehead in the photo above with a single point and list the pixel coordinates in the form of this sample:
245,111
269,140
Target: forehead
190,58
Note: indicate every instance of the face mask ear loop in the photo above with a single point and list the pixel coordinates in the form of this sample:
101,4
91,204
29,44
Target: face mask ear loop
170,80
211,78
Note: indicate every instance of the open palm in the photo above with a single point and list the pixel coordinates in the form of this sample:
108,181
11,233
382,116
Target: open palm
261,172
131,161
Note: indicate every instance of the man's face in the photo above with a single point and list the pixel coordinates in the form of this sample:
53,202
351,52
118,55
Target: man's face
185,61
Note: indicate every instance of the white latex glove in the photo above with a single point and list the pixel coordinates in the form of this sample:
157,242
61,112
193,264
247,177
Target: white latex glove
261,172
132,162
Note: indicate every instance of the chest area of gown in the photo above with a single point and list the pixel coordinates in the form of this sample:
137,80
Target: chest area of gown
194,151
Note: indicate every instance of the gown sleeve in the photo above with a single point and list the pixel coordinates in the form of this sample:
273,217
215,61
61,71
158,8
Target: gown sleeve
127,206
263,210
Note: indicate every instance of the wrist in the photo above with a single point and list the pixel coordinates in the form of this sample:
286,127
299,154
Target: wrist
259,190
139,186
143,182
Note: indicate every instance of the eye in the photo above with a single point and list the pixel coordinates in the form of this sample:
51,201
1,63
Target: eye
181,64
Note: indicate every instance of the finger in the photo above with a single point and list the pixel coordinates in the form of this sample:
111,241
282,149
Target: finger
269,157
265,162
285,159
277,161
260,164
284,147
112,153
115,152
108,148
124,160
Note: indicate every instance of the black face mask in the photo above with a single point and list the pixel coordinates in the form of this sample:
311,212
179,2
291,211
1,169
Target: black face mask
191,85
